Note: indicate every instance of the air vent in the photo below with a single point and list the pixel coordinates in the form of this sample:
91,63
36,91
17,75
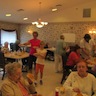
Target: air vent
58,5
87,12
20,10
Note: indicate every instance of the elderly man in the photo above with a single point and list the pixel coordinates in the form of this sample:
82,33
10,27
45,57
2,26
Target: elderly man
15,84
60,50
81,81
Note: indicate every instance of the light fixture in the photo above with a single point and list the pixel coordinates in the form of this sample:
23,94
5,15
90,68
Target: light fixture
54,9
93,31
39,23
8,15
30,32
25,18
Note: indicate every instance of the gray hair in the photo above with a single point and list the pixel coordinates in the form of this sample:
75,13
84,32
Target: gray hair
62,36
12,67
5,43
17,42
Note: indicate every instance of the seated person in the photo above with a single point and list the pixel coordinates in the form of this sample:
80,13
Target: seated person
73,58
17,48
69,60
15,84
5,47
16,45
50,54
46,45
80,81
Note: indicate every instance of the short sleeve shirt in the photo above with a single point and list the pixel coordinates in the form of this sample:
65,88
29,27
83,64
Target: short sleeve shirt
72,57
34,42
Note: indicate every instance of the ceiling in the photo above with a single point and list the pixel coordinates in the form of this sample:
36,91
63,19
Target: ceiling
32,10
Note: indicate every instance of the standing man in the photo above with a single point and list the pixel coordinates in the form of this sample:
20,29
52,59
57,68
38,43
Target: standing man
87,45
35,43
60,50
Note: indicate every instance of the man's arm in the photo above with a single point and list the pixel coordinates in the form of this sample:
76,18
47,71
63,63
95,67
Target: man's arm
84,50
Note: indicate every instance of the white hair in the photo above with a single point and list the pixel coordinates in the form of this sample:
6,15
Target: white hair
12,67
5,43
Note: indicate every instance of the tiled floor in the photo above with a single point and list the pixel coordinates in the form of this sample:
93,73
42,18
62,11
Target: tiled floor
51,80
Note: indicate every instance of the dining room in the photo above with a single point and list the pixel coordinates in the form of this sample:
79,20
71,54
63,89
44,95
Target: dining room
73,19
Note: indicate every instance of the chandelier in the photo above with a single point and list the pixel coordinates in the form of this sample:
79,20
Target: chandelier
39,23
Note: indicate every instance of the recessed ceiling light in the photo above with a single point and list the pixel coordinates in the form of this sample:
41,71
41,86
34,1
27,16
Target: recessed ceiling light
8,15
25,18
54,9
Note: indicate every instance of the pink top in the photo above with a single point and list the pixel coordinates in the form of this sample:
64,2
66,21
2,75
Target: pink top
23,89
73,56
34,42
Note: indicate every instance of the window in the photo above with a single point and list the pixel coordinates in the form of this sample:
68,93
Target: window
8,36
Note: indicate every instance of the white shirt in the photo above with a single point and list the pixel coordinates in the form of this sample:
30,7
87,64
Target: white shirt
41,60
87,46
87,85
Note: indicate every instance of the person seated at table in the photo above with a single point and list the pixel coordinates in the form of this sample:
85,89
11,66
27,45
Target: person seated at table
15,84
16,46
80,81
50,54
5,47
73,58
46,45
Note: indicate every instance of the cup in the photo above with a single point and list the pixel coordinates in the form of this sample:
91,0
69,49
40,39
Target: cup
57,91
68,92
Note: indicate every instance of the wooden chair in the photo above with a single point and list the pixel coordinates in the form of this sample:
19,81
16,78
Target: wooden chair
0,93
2,64
12,46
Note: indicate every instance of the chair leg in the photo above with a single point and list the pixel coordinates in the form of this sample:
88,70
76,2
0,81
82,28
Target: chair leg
3,75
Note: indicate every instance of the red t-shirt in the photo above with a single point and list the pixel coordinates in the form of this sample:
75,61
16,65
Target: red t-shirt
34,42
71,59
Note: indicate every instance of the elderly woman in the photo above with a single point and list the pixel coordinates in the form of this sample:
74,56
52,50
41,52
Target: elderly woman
81,81
15,84
5,47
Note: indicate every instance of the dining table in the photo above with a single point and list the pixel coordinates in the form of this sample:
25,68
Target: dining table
91,62
16,55
61,91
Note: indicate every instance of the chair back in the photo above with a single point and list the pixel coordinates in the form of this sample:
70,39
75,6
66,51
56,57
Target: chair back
12,46
0,93
2,60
